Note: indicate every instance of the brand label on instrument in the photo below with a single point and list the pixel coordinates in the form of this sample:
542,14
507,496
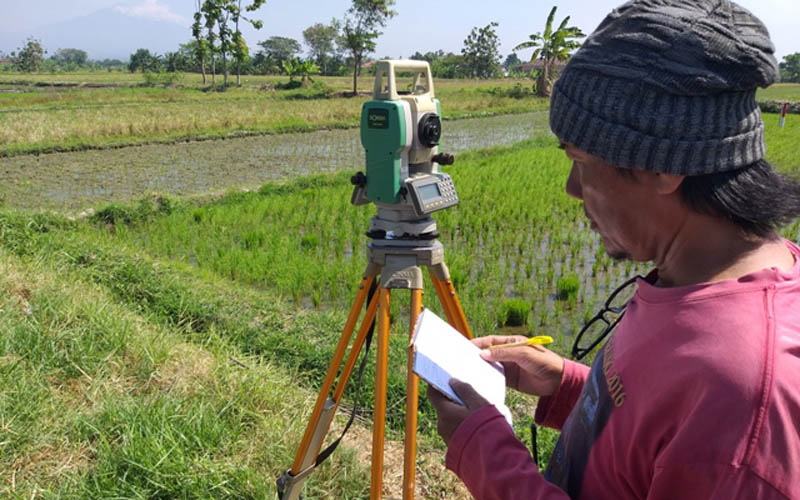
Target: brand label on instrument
378,118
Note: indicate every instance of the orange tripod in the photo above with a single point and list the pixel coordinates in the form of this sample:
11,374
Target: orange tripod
397,262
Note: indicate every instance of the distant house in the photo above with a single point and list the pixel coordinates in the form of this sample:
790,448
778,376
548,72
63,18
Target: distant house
6,60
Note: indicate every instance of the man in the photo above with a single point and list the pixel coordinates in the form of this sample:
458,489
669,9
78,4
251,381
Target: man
696,394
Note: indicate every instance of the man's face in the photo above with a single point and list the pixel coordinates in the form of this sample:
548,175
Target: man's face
621,209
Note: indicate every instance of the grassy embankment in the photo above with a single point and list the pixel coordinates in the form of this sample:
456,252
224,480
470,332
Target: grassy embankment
40,119
123,336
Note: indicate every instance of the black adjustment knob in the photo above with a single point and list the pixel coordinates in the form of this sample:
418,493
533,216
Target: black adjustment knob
444,158
429,130
359,179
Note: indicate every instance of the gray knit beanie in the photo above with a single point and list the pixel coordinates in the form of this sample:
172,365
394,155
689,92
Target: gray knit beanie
668,86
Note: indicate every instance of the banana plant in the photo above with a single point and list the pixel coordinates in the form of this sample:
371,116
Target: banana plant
553,45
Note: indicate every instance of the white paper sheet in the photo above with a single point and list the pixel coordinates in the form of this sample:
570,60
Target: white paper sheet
442,353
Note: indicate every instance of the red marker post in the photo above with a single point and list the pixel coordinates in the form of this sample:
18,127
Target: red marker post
783,114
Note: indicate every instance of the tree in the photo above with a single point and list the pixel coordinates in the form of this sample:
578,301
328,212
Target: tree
428,56
279,49
110,64
449,66
550,47
481,52
320,40
29,57
183,59
443,65
201,45
66,57
361,29
218,13
511,62
240,50
142,60
790,68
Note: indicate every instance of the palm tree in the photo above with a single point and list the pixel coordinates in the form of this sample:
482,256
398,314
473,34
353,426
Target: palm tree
550,47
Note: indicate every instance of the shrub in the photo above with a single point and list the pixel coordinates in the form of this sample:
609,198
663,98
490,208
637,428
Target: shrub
567,287
162,78
309,241
317,90
514,312
517,91
777,107
198,214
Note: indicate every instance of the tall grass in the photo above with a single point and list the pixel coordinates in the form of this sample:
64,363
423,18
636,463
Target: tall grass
74,119
99,401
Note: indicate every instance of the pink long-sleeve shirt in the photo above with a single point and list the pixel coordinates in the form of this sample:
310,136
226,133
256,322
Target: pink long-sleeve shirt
696,395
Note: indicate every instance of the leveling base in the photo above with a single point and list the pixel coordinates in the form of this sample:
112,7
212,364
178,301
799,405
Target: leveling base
396,263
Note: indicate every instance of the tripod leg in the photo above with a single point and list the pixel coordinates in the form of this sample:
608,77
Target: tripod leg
452,307
361,336
379,415
450,290
412,396
303,458
437,285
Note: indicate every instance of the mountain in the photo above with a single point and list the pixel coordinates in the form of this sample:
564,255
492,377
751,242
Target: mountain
107,33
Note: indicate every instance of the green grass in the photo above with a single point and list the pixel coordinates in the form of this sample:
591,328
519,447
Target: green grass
780,92
99,399
69,119
127,377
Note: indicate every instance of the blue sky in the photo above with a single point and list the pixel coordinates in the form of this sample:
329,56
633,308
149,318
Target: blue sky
420,24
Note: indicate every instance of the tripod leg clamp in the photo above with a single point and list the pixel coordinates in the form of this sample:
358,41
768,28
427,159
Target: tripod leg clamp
290,487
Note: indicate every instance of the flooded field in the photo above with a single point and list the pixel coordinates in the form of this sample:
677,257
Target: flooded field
74,181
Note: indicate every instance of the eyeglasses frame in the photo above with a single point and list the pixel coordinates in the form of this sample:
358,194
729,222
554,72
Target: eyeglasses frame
578,352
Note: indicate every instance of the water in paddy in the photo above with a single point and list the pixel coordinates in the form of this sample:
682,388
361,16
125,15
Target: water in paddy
73,181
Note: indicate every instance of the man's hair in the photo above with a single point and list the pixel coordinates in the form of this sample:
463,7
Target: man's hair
755,198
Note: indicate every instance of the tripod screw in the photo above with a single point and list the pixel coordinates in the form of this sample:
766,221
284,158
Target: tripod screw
359,179
444,158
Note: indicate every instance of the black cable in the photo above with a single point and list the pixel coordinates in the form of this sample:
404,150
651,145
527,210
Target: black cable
368,341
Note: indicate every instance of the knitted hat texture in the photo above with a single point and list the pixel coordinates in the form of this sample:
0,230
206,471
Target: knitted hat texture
668,86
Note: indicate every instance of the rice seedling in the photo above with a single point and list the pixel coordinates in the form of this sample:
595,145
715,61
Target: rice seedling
513,312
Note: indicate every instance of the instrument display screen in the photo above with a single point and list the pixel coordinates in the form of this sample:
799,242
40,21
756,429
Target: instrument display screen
429,191
432,192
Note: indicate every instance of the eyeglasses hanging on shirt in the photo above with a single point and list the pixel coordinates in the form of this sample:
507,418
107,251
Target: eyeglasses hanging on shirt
604,322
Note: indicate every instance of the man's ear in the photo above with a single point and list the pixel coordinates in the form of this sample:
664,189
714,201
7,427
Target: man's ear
661,183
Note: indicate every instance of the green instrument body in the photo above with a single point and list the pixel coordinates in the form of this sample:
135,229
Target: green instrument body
385,139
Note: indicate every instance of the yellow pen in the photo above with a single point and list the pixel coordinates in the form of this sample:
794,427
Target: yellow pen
537,340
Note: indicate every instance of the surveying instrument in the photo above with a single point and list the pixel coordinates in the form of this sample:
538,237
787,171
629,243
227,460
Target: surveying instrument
400,131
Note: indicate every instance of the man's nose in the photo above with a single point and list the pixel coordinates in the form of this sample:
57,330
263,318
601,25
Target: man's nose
574,183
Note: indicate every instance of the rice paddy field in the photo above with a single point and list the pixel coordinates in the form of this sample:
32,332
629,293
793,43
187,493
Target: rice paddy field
36,119
186,168
168,341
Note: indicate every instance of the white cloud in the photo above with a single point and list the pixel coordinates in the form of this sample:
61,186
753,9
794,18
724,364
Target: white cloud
154,11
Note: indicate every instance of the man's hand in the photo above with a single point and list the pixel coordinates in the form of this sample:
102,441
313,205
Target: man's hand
450,413
529,369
